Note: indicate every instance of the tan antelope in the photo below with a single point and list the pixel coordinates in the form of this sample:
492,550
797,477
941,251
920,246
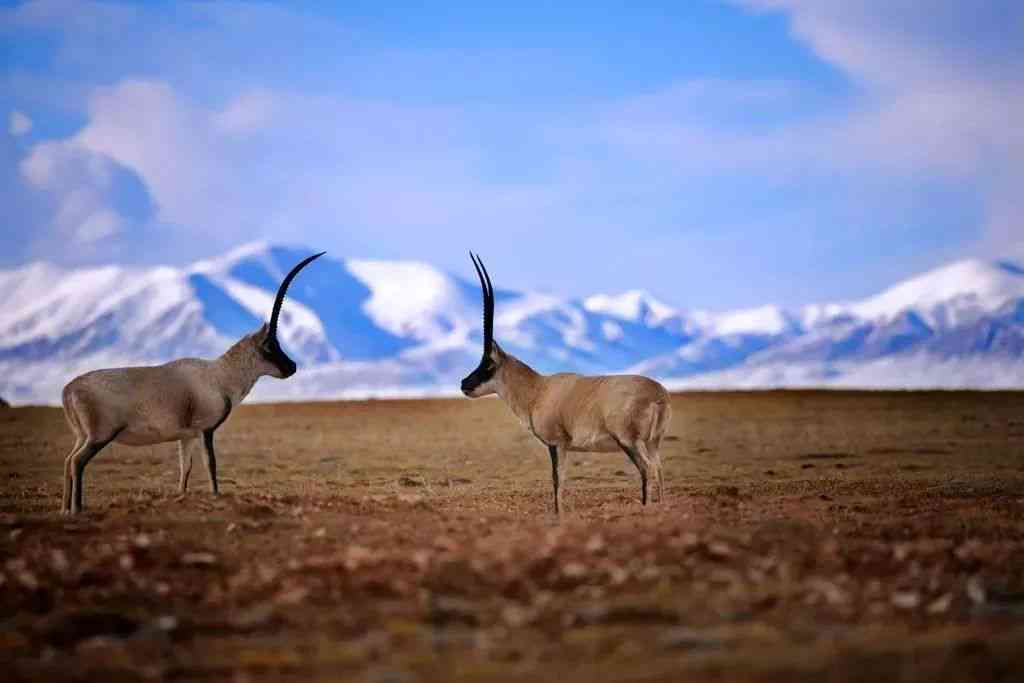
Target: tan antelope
569,412
180,401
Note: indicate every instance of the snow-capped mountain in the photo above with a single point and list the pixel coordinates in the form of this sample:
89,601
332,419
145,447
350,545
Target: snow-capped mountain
360,327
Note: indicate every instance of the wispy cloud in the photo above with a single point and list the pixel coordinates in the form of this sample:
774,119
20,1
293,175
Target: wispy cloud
184,131
943,92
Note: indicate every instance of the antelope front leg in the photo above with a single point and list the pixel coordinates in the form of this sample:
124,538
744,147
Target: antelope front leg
211,461
79,460
184,464
557,477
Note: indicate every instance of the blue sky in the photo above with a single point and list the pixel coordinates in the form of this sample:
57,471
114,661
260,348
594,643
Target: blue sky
718,154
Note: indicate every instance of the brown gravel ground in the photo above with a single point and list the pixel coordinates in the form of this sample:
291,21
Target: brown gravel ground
823,536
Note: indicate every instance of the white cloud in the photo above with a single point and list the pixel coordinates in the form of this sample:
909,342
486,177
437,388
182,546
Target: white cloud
80,184
267,163
943,92
146,127
19,124
939,94
249,112
234,137
99,225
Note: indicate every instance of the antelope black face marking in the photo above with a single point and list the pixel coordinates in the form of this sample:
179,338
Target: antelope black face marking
484,373
272,352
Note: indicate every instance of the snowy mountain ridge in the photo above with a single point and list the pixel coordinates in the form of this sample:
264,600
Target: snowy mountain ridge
370,327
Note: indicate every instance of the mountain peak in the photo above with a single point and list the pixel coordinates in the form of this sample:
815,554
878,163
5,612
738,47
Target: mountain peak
257,251
376,327
985,285
635,305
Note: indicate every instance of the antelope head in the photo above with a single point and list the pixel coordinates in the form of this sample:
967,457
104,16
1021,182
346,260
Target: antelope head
275,361
484,380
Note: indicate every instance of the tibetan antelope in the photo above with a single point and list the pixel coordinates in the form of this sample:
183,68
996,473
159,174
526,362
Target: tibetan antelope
180,401
569,412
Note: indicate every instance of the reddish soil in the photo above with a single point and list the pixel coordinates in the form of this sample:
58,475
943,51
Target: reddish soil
825,536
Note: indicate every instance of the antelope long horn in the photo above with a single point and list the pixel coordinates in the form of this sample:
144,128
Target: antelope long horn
283,289
488,292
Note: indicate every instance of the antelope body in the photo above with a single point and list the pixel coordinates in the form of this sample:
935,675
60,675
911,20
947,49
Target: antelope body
569,412
182,401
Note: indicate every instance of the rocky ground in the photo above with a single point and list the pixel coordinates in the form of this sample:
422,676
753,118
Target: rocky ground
825,536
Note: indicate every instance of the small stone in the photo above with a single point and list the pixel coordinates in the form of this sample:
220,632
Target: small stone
411,499
975,591
617,575
356,556
574,570
515,616
166,623
940,605
198,559
447,610
905,599
832,593
59,561
292,596
27,579
720,551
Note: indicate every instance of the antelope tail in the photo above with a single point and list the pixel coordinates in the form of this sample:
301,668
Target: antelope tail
661,412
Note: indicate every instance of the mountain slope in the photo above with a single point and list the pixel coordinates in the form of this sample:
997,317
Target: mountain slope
361,327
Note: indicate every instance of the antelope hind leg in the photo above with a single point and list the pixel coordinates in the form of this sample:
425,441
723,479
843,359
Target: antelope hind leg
184,463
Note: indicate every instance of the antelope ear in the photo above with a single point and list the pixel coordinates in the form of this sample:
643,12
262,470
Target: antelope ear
261,334
497,355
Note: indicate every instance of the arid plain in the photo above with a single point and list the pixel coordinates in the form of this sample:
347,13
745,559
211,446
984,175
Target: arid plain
825,536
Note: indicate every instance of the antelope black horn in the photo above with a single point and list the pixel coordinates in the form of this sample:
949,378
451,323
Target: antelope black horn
488,292
283,289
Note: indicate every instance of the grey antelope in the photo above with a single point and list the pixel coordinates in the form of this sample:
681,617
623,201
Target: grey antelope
180,401
569,412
